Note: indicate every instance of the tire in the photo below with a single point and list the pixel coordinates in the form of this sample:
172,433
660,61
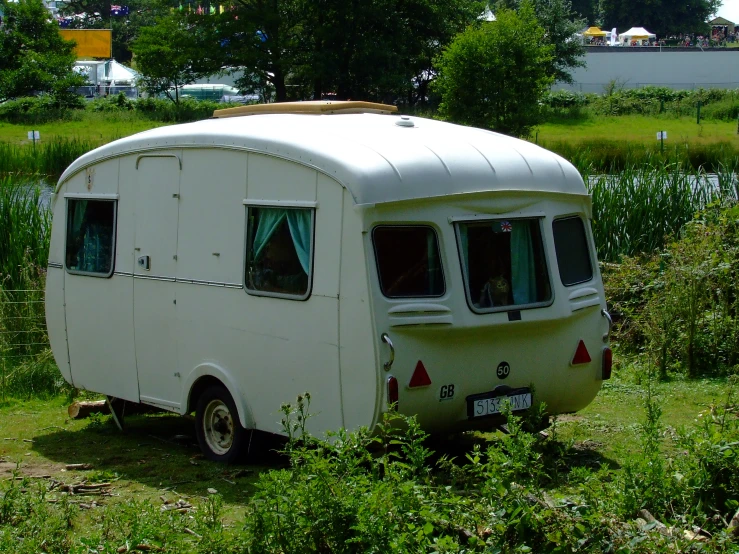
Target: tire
220,434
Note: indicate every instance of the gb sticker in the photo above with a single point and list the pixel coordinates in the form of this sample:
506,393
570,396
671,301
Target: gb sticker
446,392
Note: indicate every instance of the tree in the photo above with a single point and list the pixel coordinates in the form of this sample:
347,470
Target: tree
96,14
662,17
494,74
589,10
561,28
33,56
171,54
374,49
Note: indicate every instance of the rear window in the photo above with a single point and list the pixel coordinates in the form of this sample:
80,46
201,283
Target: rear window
408,261
503,263
573,254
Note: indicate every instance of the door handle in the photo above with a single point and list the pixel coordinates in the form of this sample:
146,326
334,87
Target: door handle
386,339
608,317
144,262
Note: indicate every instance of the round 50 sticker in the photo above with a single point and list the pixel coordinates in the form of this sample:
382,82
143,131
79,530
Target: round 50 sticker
504,370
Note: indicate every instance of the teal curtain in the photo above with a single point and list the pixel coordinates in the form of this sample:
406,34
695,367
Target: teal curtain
465,246
78,216
300,231
299,223
523,271
269,221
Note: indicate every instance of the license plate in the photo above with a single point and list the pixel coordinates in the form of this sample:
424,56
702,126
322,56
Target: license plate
491,403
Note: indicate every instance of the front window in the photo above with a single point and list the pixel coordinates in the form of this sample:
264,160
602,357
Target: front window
90,237
279,253
503,263
408,261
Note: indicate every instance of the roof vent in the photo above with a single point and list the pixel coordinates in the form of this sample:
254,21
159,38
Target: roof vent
315,107
404,121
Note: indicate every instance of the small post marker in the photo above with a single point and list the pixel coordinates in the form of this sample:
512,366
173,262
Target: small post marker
699,112
661,136
34,136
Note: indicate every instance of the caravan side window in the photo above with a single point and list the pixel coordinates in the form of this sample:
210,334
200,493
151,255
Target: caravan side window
503,264
408,261
573,253
90,244
279,252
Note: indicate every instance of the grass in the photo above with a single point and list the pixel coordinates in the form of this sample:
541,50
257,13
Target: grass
157,464
97,128
642,130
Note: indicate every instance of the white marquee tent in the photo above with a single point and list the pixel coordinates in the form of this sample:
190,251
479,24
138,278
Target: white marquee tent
635,33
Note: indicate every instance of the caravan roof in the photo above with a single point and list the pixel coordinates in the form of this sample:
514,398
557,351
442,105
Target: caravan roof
378,158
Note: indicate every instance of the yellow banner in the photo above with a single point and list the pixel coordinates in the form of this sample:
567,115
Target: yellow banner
91,43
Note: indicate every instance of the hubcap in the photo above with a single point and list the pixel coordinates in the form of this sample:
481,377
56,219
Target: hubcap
218,427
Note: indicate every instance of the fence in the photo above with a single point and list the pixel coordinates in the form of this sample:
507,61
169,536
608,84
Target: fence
23,338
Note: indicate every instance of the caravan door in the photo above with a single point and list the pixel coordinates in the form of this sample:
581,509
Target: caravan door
155,269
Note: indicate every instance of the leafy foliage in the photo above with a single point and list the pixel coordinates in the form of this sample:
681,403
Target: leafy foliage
374,50
680,305
662,17
33,56
96,14
493,75
171,54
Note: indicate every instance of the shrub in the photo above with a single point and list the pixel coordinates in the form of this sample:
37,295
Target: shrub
37,109
681,305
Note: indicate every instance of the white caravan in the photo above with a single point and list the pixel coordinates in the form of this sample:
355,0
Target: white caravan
377,261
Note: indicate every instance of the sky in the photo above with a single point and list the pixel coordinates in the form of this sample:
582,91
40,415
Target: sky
730,10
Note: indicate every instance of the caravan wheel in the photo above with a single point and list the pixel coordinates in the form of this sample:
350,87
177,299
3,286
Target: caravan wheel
220,434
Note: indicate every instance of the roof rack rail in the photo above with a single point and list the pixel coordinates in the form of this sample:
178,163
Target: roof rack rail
315,107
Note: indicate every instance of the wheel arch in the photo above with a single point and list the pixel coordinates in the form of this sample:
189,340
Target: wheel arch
209,374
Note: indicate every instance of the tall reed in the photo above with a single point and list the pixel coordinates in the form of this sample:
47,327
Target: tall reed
48,158
637,208
25,225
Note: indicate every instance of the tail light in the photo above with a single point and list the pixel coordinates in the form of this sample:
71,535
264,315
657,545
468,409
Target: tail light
392,391
607,363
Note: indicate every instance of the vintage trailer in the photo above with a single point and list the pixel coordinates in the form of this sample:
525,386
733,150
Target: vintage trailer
377,261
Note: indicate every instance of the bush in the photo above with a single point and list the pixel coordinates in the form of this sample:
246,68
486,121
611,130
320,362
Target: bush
681,305
37,109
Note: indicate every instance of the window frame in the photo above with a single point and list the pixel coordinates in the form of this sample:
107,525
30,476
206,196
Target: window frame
588,244
438,250
310,207
108,198
465,278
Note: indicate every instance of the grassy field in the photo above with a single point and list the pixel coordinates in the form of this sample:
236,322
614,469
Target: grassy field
94,127
640,129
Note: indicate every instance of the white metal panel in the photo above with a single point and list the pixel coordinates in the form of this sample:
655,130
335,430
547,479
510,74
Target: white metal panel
328,238
100,334
155,310
360,378
127,187
274,349
271,178
55,320
55,324
99,312
212,216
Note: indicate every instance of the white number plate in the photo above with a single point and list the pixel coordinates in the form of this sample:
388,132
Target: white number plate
489,406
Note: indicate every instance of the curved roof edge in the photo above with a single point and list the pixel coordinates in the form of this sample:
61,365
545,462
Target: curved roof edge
374,157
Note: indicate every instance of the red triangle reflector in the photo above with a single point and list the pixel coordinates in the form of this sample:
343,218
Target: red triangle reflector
420,377
582,356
